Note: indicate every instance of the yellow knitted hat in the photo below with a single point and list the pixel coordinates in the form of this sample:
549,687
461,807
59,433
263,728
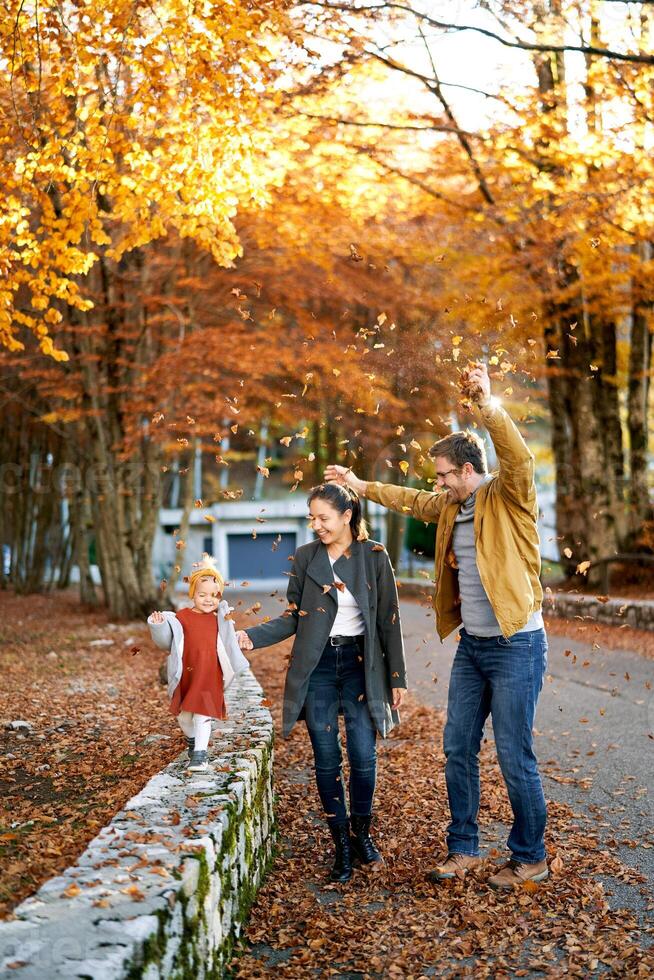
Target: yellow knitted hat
204,569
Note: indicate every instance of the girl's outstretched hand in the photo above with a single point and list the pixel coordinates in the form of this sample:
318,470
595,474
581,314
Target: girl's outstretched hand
156,617
244,640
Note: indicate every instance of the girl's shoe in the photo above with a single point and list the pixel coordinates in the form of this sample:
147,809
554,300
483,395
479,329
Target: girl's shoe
198,762
190,745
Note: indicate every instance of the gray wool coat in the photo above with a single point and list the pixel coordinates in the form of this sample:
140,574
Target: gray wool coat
311,611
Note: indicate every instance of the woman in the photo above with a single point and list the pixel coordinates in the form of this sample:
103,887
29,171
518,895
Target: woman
348,657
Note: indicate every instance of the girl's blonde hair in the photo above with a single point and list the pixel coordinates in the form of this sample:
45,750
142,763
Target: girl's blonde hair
206,568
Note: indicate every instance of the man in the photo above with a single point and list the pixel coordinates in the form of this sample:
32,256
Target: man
487,578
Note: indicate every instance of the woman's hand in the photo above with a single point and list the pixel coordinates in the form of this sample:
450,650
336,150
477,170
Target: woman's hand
398,696
156,617
244,640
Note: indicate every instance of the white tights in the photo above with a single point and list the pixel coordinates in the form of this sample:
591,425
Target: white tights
197,727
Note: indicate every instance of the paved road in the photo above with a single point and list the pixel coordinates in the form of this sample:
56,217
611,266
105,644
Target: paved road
594,723
593,727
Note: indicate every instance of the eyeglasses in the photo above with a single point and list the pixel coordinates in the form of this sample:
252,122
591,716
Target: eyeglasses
441,476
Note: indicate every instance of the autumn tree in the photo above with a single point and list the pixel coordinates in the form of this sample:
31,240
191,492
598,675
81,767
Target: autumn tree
543,219
121,125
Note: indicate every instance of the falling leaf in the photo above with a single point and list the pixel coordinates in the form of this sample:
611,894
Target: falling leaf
582,567
404,466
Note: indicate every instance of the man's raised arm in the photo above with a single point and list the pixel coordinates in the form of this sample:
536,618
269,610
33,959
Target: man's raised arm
516,461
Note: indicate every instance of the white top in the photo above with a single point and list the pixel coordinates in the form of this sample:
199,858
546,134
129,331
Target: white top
349,621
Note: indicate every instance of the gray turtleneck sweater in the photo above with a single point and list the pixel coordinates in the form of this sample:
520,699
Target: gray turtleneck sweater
476,611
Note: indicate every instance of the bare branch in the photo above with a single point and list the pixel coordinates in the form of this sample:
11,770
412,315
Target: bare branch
587,49
384,125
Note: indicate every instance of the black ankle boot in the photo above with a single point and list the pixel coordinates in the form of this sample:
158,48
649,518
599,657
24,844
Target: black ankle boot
342,870
362,843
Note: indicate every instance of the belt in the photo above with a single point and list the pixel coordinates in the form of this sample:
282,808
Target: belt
345,641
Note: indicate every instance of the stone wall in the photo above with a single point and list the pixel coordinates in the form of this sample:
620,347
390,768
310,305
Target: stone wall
164,889
638,613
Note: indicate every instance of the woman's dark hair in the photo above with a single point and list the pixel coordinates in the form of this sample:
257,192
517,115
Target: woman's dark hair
342,499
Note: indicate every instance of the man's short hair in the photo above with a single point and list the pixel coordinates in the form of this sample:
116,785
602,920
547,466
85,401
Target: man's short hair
462,447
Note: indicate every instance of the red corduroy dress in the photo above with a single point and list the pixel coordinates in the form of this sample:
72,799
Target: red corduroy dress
201,688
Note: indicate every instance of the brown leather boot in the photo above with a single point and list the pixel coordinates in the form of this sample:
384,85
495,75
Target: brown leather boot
514,874
454,866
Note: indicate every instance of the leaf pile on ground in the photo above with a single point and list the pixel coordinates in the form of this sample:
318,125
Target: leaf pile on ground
586,630
392,922
98,728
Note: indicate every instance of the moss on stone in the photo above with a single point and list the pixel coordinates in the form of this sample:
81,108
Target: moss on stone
189,961
154,948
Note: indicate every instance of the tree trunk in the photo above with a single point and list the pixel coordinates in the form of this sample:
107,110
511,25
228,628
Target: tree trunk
80,513
188,499
640,356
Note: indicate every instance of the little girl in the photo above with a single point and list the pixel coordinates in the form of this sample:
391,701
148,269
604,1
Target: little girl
203,660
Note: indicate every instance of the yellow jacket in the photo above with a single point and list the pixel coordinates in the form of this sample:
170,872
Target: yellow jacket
506,532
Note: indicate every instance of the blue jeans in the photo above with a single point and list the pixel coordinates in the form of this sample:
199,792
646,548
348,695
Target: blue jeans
503,678
338,682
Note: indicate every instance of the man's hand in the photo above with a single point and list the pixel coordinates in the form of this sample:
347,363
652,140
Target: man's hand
156,617
398,696
477,384
244,640
344,476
